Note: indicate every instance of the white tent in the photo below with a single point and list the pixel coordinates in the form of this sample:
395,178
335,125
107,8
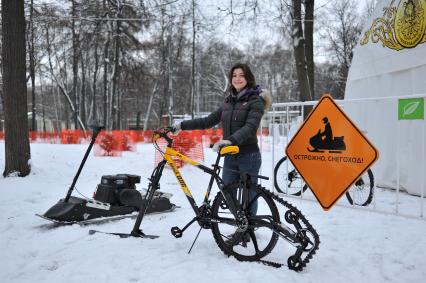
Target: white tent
390,62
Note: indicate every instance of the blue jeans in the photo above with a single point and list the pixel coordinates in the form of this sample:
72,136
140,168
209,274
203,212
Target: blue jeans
250,163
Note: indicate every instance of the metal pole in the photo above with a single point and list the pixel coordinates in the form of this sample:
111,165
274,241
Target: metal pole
273,139
96,131
398,133
424,178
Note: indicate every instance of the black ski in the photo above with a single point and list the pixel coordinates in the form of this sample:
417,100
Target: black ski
90,221
126,235
102,219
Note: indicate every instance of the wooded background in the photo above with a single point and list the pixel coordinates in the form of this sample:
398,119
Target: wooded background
126,63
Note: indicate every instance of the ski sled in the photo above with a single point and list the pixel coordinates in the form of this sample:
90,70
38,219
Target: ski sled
90,211
337,145
115,197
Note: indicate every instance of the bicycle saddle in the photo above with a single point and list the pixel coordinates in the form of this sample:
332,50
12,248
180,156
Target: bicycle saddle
230,149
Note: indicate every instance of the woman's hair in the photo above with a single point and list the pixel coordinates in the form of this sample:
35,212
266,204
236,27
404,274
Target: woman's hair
251,81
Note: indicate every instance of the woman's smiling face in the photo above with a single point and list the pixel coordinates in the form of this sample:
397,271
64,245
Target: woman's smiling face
238,79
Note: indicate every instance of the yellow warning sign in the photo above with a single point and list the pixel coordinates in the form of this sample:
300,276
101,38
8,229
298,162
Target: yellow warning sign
330,152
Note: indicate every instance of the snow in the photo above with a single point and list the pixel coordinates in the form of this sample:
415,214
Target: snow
356,245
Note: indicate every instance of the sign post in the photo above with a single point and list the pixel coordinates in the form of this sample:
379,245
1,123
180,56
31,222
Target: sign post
330,152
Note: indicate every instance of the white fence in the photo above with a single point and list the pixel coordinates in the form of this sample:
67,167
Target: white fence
400,171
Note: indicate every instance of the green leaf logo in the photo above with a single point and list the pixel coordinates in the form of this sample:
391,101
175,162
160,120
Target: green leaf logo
411,107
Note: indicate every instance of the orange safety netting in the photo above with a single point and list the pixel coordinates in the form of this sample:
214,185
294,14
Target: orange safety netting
32,136
124,141
264,143
187,143
49,137
44,137
265,132
136,136
147,136
107,145
72,136
211,136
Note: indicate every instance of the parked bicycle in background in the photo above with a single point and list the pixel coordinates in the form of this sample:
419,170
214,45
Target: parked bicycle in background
288,181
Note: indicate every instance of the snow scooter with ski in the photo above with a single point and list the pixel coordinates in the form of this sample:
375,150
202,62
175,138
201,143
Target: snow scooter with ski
115,197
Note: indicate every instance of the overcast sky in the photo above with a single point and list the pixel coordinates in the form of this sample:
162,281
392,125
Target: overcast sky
242,34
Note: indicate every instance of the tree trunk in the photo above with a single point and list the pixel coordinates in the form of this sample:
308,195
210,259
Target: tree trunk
170,76
193,60
83,91
299,54
309,44
43,113
148,111
95,75
74,66
62,86
105,82
32,68
116,78
17,146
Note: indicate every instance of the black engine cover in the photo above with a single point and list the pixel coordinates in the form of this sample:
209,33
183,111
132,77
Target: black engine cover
109,189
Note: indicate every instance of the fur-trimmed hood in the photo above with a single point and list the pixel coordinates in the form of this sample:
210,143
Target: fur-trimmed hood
267,98
263,93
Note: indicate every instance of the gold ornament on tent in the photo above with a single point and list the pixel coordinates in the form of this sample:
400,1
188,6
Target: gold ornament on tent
401,26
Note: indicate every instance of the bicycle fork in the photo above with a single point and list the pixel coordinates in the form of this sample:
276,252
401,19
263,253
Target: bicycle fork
152,187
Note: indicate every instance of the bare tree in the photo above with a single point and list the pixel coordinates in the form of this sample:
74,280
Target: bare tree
194,32
60,77
1,81
303,47
17,147
342,29
75,55
32,66
299,16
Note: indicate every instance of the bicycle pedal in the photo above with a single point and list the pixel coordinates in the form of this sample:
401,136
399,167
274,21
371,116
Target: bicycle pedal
176,232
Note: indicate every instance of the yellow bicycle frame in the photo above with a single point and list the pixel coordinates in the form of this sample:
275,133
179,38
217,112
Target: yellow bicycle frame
167,158
171,152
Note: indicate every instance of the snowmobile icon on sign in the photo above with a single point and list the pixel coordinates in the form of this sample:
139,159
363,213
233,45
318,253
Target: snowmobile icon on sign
324,140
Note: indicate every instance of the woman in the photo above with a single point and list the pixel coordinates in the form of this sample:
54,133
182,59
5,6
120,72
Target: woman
240,115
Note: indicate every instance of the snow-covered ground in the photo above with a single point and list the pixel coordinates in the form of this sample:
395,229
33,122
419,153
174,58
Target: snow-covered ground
356,245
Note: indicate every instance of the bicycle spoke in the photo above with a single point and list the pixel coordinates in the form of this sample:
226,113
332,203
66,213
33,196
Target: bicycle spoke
361,193
286,178
258,240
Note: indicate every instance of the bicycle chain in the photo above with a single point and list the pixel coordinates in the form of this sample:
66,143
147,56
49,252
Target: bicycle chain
308,226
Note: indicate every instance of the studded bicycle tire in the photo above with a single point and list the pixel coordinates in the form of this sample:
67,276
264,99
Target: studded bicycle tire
301,225
220,238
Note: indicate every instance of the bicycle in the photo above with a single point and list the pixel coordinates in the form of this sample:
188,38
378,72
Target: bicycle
288,181
227,215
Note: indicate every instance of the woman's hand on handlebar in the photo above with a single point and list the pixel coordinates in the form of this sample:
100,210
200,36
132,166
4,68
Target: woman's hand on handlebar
217,146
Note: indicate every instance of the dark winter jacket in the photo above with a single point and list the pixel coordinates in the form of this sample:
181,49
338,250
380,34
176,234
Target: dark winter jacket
240,118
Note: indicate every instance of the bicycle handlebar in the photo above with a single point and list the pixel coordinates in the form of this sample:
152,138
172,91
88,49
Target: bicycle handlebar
164,131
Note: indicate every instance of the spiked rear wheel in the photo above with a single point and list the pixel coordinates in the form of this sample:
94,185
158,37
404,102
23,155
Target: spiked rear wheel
255,242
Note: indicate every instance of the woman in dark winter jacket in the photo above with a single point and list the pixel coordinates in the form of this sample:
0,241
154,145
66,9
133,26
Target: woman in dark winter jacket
240,116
